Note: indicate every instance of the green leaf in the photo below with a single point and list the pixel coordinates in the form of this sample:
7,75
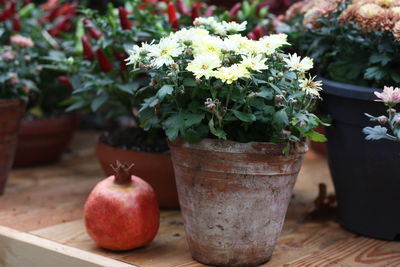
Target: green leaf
98,102
173,125
280,118
129,88
191,119
76,105
376,73
315,136
246,117
189,82
383,59
221,134
164,91
376,133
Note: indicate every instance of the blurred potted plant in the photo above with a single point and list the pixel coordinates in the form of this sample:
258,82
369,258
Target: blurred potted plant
356,46
18,76
236,112
102,83
46,127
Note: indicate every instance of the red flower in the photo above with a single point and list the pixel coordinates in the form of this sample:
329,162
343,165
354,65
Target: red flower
123,17
196,10
235,9
182,8
172,18
92,31
105,64
87,48
65,81
16,24
210,11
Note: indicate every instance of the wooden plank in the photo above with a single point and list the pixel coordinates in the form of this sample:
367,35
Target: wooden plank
22,249
360,251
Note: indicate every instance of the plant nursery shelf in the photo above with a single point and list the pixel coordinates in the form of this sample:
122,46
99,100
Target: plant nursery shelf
41,222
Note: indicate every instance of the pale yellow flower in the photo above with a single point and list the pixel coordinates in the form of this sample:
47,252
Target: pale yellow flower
208,44
204,65
254,63
296,63
369,11
232,73
164,52
269,44
310,86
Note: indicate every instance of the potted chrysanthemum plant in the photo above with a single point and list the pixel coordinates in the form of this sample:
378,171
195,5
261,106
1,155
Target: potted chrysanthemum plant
355,45
236,112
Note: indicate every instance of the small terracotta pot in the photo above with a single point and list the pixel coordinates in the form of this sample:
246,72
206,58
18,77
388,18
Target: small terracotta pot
11,113
319,147
42,141
234,198
154,168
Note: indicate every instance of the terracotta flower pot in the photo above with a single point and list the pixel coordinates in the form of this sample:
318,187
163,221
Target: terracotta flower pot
11,112
154,168
43,141
319,147
234,198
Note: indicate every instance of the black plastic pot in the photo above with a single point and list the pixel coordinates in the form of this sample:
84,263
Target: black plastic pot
365,173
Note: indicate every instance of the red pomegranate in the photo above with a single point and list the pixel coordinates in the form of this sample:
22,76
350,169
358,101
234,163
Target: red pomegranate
122,212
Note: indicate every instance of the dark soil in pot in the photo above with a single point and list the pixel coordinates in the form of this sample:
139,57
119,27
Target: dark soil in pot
11,113
365,173
151,157
43,141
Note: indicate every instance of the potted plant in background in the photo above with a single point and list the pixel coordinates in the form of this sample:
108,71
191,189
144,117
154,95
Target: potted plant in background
18,76
355,46
236,112
45,127
103,84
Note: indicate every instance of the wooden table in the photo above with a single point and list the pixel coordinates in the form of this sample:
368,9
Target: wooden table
41,222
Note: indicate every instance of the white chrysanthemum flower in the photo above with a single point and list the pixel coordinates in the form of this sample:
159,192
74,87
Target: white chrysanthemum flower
295,63
164,52
208,44
234,27
137,53
270,43
204,65
204,21
244,45
229,45
310,86
188,36
232,73
254,63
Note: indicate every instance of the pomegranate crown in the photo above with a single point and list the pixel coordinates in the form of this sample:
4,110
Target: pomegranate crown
123,172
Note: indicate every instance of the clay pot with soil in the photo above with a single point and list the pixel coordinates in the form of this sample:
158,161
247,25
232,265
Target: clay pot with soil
234,197
11,113
151,158
42,141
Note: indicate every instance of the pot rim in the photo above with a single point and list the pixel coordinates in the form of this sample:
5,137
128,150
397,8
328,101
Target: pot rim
99,143
11,102
348,90
228,146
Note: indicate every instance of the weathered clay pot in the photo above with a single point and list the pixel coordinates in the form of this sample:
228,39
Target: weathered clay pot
319,147
43,141
11,112
154,168
234,198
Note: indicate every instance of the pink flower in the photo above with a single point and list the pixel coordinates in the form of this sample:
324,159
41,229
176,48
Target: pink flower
389,95
22,41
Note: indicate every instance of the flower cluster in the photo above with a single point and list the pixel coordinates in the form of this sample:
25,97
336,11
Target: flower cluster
390,97
352,41
212,81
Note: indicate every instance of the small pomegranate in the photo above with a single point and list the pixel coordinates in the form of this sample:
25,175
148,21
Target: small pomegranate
122,212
